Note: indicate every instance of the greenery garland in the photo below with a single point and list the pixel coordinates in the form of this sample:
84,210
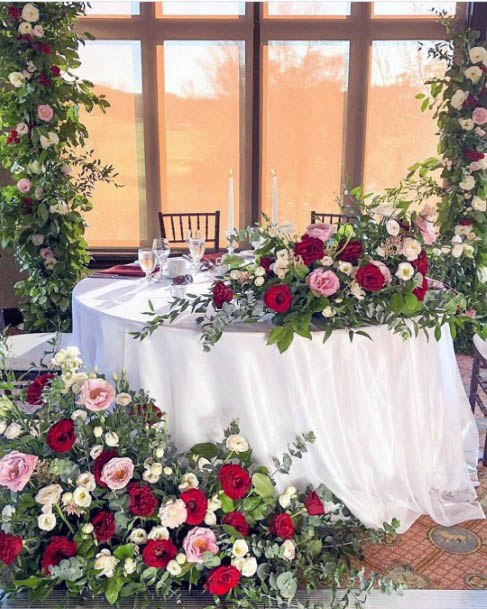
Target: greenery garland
41,214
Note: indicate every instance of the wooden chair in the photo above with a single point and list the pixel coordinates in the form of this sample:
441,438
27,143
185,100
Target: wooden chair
10,317
335,219
175,227
479,380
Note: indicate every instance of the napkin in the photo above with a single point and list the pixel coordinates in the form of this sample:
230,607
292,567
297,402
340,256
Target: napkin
126,270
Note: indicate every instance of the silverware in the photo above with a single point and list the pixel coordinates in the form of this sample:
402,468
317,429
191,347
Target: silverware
111,276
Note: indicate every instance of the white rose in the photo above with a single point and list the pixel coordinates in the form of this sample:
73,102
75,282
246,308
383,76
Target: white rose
30,13
129,566
457,250
411,248
173,513
159,452
458,98
249,567
345,267
38,31
46,522
82,497
48,495
150,476
237,444
22,128
87,481
106,563
288,550
210,518
79,414
467,183
482,273
96,451
7,512
87,528
37,239
156,468
240,548
158,532
405,271
111,438
167,470
13,431
188,481
326,261
478,204
98,431
357,291
474,73
259,281
16,79
328,312
138,536
478,54
174,568
259,271
392,227
123,399
25,28
466,124
238,563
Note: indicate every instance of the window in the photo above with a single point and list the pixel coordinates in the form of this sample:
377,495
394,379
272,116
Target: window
305,95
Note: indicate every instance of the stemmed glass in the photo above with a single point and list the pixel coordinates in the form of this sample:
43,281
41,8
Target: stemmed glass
147,261
161,250
196,244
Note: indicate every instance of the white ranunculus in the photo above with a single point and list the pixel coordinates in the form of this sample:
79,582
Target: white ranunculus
98,431
458,98
138,536
82,497
474,73
30,13
478,204
106,563
240,548
79,414
411,248
345,267
210,518
173,513
48,495
466,124
237,444
478,54
328,312
158,532
13,431
467,183
150,476
392,227
46,522
25,28
87,528
259,281
457,250
288,550
129,566
123,399
37,239
249,567
173,568
111,438
188,481
87,481
16,79
96,451
405,271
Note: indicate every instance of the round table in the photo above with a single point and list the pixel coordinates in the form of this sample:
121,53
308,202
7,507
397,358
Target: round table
395,434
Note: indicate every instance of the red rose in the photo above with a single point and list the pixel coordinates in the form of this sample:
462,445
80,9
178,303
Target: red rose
45,80
370,277
313,504
473,155
61,436
350,252
266,262
42,47
158,552
221,293
10,547
103,526
25,38
310,249
237,521
56,550
55,70
149,412
421,263
35,389
235,481
466,222
278,298
282,526
420,292
103,458
470,102
222,579
27,204
142,500
14,12
13,137
196,505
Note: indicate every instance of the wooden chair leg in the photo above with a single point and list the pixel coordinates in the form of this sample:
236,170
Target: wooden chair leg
474,380
484,458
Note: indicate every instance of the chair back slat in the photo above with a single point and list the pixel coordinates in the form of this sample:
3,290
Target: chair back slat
181,223
335,219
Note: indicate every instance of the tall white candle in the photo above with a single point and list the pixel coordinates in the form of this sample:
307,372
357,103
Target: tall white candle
274,197
231,204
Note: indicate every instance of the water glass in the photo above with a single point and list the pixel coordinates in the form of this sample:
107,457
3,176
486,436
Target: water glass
147,261
196,245
161,248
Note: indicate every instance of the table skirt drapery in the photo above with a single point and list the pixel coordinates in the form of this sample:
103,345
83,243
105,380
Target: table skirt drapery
395,434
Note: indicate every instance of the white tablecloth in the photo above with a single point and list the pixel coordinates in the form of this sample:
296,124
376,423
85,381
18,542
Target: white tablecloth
395,434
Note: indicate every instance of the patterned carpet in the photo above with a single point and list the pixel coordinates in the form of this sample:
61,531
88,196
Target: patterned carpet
434,557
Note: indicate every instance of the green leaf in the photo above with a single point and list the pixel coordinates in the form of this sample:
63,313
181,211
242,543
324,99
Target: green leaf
227,503
125,551
263,485
112,589
205,449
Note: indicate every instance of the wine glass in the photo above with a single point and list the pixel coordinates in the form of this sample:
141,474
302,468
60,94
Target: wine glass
196,244
147,261
256,240
161,250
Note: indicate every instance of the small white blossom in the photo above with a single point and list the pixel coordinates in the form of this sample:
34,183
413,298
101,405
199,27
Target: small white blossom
96,451
138,536
79,414
237,444
98,432
345,267
129,566
259,281
240,548
188,481
87,528
288,550
181,559
13,431
328,312
173,568
106,563
46,522
249,567
82,497
158,532
111,438
123,399
405,271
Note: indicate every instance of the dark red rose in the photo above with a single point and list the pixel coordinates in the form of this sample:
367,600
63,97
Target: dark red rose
266,262
27,204
103,458
237,521
45,80
103,526
278,298
310,249
282,526
222,579
221,293
35,389
473,155
470,102
14,12
13,137
26,38
196,505
483,68
158,552
56,550
313,504
142,500
55,70
420,292
370,278
350,252
10,547
61,436
421,263
235,480
42,47
466,222
150,412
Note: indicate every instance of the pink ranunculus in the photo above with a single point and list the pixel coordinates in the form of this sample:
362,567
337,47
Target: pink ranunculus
323,283
45,112
479,115
16,469
198,541
383,269
117,473
24,185
320,231
427,230
96,394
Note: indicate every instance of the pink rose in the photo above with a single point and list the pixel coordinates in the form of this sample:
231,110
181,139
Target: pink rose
198,541
46,253
383,269
96,394
24,185
323,283
479,131
16,469
427,230
479,116
320,231
117,473
45,112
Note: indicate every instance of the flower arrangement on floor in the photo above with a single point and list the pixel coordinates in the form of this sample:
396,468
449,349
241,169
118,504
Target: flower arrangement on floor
41,212
95,499
374,272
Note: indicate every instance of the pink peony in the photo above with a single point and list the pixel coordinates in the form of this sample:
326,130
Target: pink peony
479,116
383,269
45,112
96,394
320,231
427,230
323,283
117,473
24,185
16,469
198,541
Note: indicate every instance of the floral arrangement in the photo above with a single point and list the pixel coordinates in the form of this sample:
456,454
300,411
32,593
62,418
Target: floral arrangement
374,272
95,499
42,212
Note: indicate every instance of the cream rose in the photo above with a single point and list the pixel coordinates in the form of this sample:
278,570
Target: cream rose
46,522
466,124
467,183
25,28
478,204
188,481
30,13
474,73
173,513
458,98
106,563
237,444
411,248
123,399
138,536
477,54
48,495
